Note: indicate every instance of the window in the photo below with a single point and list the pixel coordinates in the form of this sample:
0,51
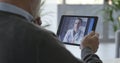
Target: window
110,2
59,1
84,1
80,1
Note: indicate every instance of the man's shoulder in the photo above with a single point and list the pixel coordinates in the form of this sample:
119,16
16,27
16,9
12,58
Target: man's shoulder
36,29
19,23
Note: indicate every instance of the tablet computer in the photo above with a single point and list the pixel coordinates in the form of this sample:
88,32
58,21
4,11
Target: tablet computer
73,28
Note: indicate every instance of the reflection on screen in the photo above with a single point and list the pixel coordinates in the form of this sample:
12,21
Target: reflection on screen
90,25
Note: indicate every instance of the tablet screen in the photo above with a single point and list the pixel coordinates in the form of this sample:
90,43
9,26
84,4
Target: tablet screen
72,29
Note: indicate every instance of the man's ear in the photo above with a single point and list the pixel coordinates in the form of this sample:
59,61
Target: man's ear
38,21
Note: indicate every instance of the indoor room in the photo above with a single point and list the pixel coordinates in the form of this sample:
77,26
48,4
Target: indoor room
108,25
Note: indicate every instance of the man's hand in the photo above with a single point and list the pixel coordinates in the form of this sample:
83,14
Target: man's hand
91,41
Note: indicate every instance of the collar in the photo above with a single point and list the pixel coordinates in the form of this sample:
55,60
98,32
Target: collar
16,10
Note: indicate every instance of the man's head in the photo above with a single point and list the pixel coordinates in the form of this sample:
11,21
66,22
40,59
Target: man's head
31,6
77,24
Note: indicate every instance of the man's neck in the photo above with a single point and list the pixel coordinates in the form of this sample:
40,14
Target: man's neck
24,5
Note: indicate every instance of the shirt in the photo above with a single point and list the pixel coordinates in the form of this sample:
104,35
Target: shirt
71,38
16,10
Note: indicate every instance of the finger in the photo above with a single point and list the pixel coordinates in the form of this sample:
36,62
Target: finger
86,37
89,35
92,33
97,35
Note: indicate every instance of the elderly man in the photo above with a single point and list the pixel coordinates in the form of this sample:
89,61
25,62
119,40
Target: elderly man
22,42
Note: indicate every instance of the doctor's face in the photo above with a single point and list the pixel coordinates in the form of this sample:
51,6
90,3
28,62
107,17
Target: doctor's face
77,24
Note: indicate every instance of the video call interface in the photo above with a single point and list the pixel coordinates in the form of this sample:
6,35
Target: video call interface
72,29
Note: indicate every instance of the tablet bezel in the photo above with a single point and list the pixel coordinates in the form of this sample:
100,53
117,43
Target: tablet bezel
61,21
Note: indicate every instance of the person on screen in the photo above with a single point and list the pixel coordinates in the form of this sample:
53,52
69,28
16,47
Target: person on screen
23,42
75,34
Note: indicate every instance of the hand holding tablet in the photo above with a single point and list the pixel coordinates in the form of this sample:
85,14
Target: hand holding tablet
91,40
72,28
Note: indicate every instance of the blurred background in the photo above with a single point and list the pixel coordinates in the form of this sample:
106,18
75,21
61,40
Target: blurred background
108,22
